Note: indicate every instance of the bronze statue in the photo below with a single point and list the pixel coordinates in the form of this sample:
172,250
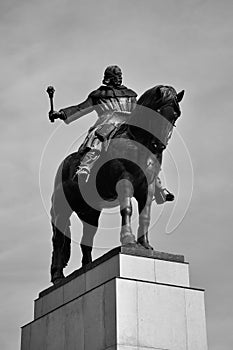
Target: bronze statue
113,103
116,166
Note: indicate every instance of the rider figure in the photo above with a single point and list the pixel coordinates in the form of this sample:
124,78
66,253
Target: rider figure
113,103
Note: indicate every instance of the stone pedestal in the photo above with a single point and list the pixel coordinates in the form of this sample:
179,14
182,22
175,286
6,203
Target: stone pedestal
126,300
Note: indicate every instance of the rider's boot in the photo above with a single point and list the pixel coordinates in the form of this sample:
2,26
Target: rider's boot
161,194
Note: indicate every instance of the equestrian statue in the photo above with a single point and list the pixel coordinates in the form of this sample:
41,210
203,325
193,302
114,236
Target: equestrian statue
119,159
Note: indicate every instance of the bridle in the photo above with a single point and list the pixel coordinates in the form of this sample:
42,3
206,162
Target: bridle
172,103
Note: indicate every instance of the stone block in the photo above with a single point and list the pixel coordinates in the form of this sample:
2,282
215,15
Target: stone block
122,301
53,300
126,312
38,335
195,316
154,270
136,267
25,338
49,302
55,326
74,288
93,306
161,316
102,272
125,347
169,272
38,308
110,313
74,325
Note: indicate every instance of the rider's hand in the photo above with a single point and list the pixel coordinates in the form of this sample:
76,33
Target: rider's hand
56,115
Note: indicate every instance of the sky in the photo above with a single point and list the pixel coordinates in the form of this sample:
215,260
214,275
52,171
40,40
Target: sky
68,44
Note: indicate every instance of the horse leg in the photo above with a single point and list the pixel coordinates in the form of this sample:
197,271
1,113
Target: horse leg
61,240
144,208
125,193
61,249
89,231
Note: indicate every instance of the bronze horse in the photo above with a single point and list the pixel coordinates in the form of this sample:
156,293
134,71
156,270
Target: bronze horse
128,165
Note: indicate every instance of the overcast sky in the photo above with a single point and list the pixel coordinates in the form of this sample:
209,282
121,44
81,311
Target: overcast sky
183,43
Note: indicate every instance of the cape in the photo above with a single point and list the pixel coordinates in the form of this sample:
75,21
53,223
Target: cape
111,92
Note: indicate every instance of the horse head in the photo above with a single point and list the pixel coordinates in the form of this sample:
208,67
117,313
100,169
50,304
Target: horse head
153,119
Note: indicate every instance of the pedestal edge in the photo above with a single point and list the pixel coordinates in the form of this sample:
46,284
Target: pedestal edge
118,250
118,278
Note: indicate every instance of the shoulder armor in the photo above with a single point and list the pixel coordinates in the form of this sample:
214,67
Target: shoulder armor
95,94
110,92
130,93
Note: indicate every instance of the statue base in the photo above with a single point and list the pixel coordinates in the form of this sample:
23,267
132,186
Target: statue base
128,299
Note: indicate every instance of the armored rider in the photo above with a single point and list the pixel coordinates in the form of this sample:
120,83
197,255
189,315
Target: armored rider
110,98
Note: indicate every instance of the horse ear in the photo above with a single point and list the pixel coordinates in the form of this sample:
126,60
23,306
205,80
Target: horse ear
180,95
158,92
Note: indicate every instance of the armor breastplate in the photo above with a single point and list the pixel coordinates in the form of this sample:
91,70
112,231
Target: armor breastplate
110,105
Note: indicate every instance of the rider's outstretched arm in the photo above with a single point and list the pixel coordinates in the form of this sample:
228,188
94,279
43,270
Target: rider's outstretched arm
75,112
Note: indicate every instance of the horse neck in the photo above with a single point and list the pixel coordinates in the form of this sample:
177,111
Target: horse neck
140,125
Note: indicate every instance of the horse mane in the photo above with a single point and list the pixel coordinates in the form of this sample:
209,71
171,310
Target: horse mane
151,98
157,96
142,119
150,101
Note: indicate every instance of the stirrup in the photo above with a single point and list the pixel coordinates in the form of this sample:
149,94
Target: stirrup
168,195
83,173
163,195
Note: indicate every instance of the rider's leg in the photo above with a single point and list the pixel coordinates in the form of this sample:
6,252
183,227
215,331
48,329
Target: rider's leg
87,163
161,194
91,154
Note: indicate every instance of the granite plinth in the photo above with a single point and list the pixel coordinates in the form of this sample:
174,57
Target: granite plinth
118,250
120,262
121,301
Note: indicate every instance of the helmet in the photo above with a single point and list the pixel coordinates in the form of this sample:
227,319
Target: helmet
112,76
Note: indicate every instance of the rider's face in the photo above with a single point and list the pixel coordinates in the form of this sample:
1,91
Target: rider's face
118,76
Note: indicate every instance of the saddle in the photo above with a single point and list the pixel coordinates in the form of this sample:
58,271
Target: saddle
104,132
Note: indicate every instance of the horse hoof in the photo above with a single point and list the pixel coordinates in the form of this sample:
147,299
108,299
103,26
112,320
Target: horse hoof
58,280
86,262
86,254
128,241
130,245
148,246
144,244
57,277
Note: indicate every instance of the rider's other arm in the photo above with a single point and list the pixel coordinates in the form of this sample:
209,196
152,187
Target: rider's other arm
75,112
133,103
